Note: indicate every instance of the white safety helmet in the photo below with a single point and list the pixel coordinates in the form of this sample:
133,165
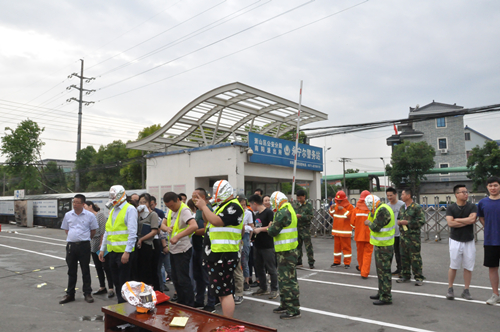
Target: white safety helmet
372,202
117,195
277,200
222,191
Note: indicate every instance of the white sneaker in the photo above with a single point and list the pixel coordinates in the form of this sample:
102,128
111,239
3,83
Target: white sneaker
493,299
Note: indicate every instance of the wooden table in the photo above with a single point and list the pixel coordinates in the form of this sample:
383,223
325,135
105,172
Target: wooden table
159,320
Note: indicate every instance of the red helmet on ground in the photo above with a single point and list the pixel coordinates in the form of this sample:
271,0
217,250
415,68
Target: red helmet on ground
340,196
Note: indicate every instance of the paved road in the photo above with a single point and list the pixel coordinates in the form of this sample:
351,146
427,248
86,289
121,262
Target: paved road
33,278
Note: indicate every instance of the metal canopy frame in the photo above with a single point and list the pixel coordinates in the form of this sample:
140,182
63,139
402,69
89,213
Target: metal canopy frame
228,113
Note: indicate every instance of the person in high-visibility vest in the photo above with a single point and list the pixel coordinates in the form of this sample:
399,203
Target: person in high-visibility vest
341,229
222,242
382,229
119,239
364,249
286,240
181,225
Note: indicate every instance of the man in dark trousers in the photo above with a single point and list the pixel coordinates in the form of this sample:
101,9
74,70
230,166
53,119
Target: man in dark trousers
304,211
80,226
119,238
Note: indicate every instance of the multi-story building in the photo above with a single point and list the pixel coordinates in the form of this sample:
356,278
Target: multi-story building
445,135
474,138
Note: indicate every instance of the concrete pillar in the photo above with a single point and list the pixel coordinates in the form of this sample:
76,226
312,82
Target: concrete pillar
237,177
315,188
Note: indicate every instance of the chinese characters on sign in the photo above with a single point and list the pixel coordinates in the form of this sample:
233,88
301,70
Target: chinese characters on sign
276,151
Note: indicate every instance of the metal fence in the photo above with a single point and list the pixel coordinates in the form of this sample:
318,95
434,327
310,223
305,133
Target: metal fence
435,214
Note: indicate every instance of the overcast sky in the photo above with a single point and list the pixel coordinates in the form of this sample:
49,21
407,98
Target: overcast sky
369,62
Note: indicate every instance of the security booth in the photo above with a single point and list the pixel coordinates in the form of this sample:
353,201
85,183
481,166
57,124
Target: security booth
231,133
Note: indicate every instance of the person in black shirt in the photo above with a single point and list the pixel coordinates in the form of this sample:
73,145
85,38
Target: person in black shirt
461,217
221,245
264,256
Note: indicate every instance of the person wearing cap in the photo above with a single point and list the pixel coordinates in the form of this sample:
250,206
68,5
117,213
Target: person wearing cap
362,236
119,238
222,242
382,229
341,229
286,240
304,211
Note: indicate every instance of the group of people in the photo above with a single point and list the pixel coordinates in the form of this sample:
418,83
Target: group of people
199,244
214,243
393,230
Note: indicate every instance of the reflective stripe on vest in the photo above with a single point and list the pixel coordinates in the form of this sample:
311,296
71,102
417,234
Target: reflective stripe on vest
384,237
226,238
287,239
176,229
117,232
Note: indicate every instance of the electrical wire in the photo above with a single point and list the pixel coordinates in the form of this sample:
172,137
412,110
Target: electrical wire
236,52
208,45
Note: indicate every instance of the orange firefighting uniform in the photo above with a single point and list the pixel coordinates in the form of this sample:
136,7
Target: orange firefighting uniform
362,238
341,231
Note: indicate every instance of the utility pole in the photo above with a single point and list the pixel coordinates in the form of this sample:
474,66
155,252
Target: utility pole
344,160
326,181
80,104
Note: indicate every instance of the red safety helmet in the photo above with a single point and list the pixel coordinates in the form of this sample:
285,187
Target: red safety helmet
340,196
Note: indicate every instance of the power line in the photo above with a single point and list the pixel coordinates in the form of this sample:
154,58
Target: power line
164,31
187,36
236,52
208,45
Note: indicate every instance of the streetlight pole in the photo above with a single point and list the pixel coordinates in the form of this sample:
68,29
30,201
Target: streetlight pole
326,182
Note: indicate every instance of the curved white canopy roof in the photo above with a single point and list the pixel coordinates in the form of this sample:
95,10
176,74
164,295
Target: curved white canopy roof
228,113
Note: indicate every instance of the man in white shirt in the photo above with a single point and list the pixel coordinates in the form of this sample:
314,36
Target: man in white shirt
80,226
395,204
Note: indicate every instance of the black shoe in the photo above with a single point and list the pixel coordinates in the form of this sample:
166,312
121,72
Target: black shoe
311,266
357,268
403,280
335,265
209,308
364,277
165,287
254,284
88,298
67,298
375,297
346,266
396,273
100,292
378,302
279,310
199,305
287,315
174,298
246,287
111,293
299,264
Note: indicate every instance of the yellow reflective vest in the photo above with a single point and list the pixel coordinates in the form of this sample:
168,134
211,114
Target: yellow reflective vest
117,231
288,238
384,237
226,238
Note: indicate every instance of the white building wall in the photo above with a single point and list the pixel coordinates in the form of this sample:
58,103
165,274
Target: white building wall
194,169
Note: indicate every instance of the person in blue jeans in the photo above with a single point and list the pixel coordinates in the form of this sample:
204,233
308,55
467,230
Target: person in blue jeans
248,226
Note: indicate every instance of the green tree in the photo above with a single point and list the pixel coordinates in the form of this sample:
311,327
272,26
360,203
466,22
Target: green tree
483,163
361,183
83,163
286,188
22,149
409,164
54,179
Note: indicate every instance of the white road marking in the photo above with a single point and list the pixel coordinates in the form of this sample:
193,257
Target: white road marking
310,275
17,239
392,291
38,253
43,237
371,276
357,319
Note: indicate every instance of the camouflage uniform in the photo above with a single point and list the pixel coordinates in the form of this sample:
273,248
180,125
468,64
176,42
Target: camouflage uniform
304,229
287,274
410,241
383,257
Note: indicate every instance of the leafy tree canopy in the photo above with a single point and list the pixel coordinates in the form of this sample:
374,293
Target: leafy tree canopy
483,163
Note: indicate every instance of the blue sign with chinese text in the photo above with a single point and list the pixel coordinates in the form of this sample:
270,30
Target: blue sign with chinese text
277,151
